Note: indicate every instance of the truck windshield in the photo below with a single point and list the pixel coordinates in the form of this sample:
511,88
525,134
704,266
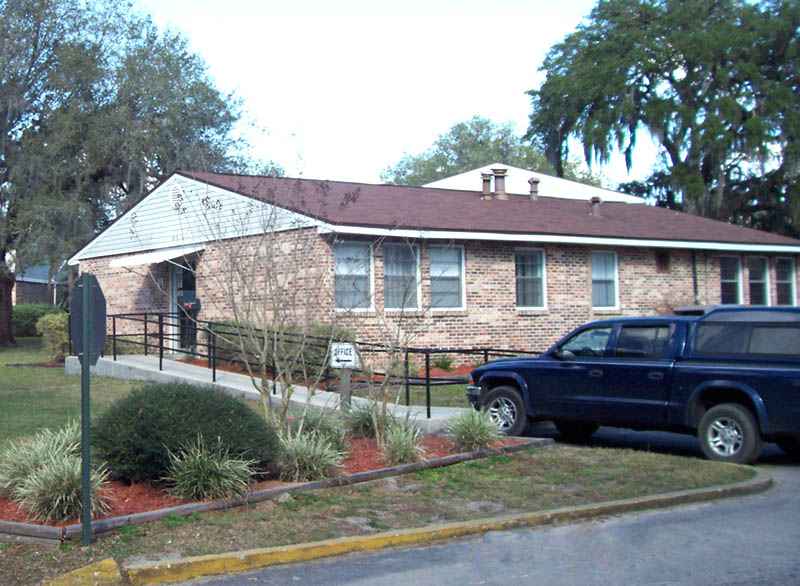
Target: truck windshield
762,340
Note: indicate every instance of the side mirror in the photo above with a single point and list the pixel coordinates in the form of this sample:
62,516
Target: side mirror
563,355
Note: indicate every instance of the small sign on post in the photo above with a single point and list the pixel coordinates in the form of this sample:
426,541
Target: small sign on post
88,335
344,357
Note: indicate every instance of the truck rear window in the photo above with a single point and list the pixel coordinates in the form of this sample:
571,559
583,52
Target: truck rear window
742,339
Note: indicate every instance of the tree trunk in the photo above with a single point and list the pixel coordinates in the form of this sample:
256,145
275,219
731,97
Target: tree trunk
6,286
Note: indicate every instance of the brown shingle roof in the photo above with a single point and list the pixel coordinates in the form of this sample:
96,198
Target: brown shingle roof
422,208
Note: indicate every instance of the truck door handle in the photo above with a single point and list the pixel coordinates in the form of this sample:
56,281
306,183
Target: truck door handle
655,375
596,373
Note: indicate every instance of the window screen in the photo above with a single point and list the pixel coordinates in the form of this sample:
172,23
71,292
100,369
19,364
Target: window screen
352,275
529,268
784,281
399,276
604,277
446,266
757,276
729,279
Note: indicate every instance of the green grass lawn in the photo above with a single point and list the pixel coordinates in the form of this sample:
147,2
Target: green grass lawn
441,395
35,397
530,480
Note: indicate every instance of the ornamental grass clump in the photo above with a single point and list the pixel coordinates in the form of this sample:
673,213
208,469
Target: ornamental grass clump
363,417
473,430
52,491
308,456
402,443
200,472
21,457
329,426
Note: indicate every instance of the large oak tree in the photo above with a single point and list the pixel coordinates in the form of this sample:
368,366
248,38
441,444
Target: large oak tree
469,145
714,82
96,106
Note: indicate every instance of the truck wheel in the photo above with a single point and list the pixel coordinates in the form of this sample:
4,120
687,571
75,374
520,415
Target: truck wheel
729,433
507,410
790,445
575,432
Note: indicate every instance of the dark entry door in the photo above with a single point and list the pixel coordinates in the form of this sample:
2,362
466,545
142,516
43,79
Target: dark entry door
186,301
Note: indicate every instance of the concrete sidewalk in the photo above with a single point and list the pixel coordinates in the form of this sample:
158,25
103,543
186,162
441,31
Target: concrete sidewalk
145,368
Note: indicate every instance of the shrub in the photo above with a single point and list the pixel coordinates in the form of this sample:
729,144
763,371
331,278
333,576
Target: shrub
444,362
473,430
403,443
54,328
21,457
52,492
328,425
136,434
198,472
308,456
362,417
25,316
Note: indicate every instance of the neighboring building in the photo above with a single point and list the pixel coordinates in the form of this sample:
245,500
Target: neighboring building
33,286
518,182
478,267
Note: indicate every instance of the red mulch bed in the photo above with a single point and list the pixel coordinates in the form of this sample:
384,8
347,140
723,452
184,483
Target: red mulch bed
363,455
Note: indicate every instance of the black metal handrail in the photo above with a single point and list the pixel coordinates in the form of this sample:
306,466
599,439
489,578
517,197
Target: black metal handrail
167,334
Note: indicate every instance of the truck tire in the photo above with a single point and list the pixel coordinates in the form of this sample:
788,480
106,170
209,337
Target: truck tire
790,445
507,410
575,432
729,433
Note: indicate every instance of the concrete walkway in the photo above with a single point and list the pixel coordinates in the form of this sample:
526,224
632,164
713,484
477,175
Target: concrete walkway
145,368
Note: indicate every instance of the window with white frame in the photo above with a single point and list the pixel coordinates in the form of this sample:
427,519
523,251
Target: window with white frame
784,281
757,276
529,268
729,279
447,277
604,279
400,272
353,275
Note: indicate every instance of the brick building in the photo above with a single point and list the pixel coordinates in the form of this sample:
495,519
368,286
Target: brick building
461,267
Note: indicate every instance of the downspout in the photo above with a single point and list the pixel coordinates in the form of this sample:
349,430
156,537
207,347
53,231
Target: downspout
694,279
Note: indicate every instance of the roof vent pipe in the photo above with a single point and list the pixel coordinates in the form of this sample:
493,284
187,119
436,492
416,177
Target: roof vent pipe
534,183
500,183
487,185
595,201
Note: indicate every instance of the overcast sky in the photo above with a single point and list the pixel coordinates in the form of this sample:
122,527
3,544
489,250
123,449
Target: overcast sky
341,90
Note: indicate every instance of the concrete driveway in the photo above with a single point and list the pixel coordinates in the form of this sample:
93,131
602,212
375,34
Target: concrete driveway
752,540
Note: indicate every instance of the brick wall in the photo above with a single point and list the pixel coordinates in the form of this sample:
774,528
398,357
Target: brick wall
130,290
300,272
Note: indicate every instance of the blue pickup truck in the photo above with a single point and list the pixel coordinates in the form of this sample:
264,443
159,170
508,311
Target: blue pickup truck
730,375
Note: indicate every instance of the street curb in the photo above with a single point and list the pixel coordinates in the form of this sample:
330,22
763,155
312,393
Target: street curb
243,561
105,572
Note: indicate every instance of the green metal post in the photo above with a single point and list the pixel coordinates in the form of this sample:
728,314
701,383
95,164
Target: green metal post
86,497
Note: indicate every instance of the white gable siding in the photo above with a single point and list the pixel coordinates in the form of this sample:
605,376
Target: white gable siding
183,211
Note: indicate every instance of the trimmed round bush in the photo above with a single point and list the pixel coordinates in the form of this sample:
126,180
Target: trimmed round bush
25,316
137,433
201,472
54,329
